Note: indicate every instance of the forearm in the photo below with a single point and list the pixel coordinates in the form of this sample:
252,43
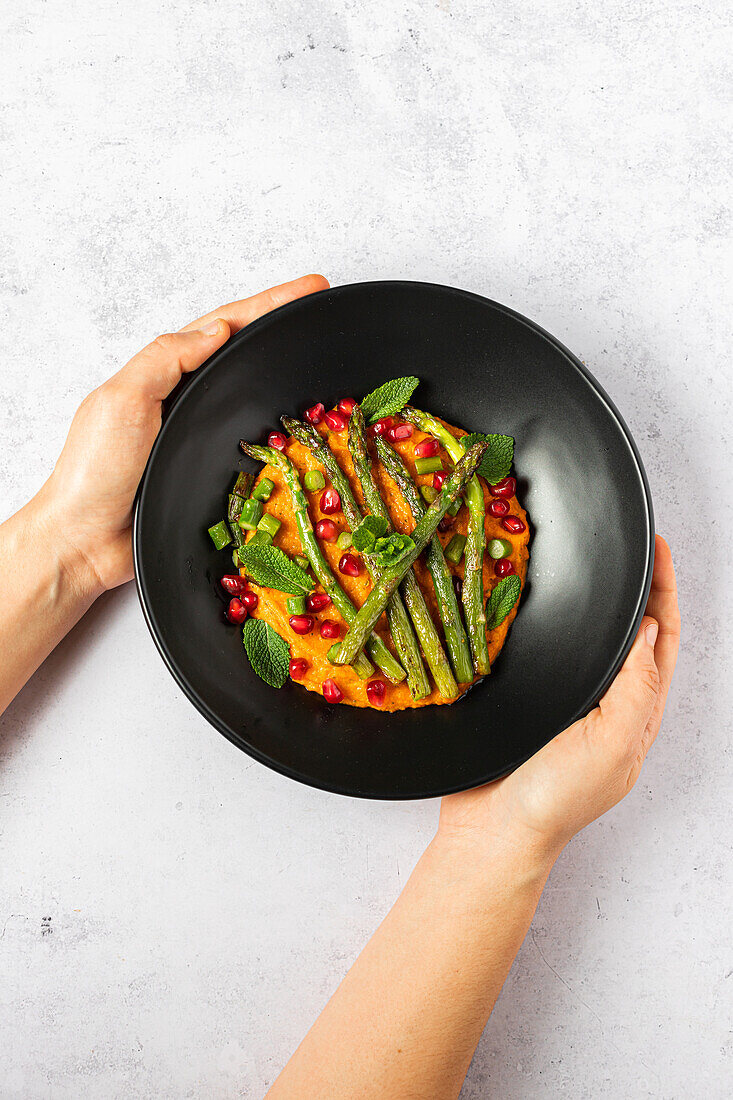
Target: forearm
406,1019
45,588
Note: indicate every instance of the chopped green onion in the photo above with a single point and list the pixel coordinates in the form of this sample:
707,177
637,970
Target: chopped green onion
499,548
220,535
361,668
237,534
251,514
296,605
301,561
235,557
314,480
428,465
263,489
454,549
234,510
242,485
260,538
269,524
344,540
428,493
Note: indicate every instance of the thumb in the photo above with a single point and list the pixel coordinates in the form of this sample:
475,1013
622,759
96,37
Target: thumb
158,367
630,700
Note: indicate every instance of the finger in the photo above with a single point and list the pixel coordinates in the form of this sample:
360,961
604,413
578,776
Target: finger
239,314
629,703
662,604
155,370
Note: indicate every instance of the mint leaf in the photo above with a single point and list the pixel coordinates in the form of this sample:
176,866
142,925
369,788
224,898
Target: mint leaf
497,461
270,567
392,549
503,597
268,654
366,534
389,398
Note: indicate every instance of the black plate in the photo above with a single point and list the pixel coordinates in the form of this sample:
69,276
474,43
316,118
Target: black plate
483,367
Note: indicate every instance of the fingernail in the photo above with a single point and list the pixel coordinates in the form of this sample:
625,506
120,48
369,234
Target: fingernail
651,633
212,328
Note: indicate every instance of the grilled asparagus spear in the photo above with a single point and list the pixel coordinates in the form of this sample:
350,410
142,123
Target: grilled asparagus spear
473,578
450,614
414,599
393,574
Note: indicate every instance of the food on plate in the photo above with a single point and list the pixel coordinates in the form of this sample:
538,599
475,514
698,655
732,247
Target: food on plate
379,554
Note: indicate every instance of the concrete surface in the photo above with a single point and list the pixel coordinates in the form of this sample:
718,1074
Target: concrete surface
172,915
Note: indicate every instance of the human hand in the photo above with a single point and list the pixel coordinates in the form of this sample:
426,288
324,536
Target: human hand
87,502
590,766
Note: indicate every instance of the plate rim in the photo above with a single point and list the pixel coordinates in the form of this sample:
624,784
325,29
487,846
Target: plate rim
190,381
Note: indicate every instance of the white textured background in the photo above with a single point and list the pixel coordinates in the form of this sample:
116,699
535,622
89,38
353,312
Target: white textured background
172,916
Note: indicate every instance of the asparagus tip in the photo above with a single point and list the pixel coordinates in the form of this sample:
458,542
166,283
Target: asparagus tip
254,451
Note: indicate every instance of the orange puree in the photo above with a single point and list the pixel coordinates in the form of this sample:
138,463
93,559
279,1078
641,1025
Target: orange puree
272,604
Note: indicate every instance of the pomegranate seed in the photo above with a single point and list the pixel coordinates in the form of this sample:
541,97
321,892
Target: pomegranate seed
503,567
507,487
330,629
350,565
314,415
335,421
513,524
498,508
400,433
330,501
458,587
382,425
445,524
327,530
331,692
375,692
298,668
301,624
250,599
236,612
234,585
427,448
317,601
439,479
346,405
277,441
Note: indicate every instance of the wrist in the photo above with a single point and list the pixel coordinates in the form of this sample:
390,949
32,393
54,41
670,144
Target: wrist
476,850
45,588
72,572
469,890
